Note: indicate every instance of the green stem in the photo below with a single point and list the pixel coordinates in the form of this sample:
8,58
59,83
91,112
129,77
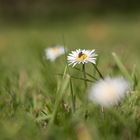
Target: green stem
96,68
102,110
86,102
72,96
84,74
71,87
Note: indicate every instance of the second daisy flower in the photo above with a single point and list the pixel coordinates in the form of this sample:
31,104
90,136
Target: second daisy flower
82,56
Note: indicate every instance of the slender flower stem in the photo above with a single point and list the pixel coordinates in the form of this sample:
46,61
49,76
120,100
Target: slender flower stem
71,87
72,96
98,71
84,74
102,110
96,68
86,102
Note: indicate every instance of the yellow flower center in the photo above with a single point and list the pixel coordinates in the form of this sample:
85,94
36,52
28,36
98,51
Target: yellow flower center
55,50
81,56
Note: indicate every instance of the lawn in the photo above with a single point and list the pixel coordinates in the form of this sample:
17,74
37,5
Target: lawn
35,97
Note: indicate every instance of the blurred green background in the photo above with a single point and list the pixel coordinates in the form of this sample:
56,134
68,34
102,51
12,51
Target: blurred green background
27,82
104,25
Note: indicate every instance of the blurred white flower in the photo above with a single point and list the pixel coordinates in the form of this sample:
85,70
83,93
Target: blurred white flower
53,52
109,91
82,56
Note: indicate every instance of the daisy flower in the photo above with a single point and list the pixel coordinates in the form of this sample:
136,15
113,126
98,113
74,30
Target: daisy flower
82,56
53,52
109,91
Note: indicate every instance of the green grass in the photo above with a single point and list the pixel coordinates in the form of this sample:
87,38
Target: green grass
35,102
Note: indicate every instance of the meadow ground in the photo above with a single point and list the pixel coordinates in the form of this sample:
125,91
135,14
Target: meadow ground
31,86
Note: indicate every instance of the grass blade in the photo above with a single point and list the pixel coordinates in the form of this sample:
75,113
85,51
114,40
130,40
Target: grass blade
122,67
